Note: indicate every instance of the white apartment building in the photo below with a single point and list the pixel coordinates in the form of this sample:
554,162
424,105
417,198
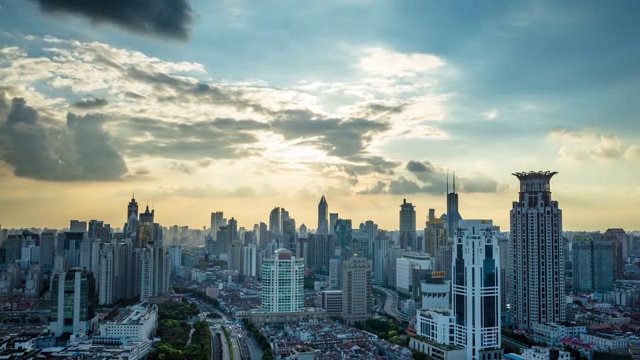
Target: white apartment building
282,283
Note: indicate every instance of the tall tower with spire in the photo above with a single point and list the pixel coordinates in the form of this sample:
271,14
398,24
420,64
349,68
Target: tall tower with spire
536,253
323,216
132,207
453,216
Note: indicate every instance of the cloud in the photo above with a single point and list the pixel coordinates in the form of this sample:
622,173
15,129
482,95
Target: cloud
216,139
378,188
387,63
433,177
402,186
90,103
478,183
587,144
161,18
81,150
338,137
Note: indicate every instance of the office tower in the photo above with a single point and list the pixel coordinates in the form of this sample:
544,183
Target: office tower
371,228
505,281
357,289
216,221
342,230
411,268
69,245
361,244
380,257
106,276
453,216
132,208
275,222
333,219
592,264
330,301
263,239
335,270
289,232
235,256
303,232
233,229
249,260
443,259
434,234
323,216
154,269
13,245
125,275
145,229
536,253
395,252
407,225
618,237
89,255
282,283
72,302
476,289
78,226
320,249
175,254
223,242
209,246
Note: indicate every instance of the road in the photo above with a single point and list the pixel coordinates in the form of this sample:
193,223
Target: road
391,304
238,343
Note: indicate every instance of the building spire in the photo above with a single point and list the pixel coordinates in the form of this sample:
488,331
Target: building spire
454,182
447,182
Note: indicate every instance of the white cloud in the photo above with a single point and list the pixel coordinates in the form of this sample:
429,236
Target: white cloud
587,144
387,63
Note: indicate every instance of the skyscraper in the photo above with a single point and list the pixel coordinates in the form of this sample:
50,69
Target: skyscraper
407,225
323,216
536,253
275,222
434,234
476,289
453,216
357,297
132,208
592,264
72,302
106,276
217,220
282,283
333,218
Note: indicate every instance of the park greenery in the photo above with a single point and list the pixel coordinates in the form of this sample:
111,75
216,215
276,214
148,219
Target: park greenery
384,329
260,339
174,331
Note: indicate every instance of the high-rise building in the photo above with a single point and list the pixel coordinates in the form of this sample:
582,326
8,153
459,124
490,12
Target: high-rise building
216,221
333,219
282,283
411,268
78,226
343,230
380,259
145,229
536,253
132,208
263,239
592,264
453,216
434,234
275,221
249,261
233,229
476,289
106,276
72,302
235,256
618,237
320,249
357,289
407,226
323,216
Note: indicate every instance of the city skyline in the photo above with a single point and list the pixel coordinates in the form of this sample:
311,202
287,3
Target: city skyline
242,107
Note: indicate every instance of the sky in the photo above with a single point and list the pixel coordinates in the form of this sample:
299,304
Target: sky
240,106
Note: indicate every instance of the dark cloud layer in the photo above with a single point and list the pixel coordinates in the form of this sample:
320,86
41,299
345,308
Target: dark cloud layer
90,103
161,18
216,139
81,150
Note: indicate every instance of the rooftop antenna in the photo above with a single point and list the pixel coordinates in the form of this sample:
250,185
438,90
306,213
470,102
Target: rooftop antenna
447,182
454,182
